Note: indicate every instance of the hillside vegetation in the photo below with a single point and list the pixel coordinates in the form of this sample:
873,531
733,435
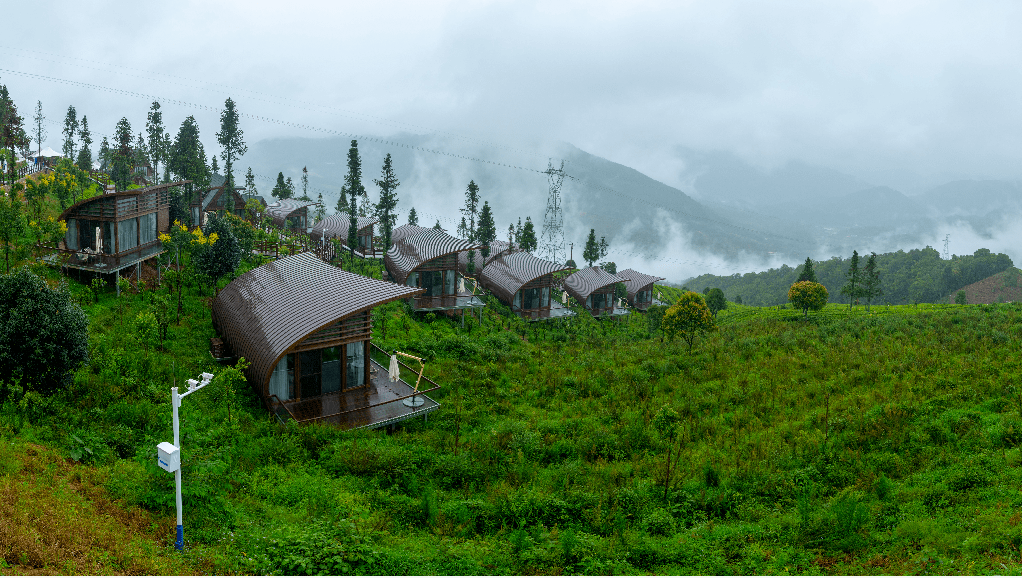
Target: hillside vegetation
1000,288
916,276
851,443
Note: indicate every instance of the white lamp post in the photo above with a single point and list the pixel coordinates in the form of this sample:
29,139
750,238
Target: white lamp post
169,455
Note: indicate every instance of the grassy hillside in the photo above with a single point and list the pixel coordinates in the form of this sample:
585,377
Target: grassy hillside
1000,288
848,444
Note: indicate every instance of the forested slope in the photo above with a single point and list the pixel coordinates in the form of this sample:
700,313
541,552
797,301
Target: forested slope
916,276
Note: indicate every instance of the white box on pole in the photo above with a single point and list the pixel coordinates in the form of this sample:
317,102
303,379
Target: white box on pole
168,456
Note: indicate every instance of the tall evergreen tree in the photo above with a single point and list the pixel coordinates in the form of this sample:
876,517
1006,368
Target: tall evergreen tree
12,131
280,189
604,246
871,280
352,226
353,188
486,232
250,186
85,153
290,187
386,207
188,159
807,274
139,156
413,218
437,225
471,208
463,229
231,139
70,131
214,169
38,130
305,184
320,213
527,240
122,155
105,155
591,253
852,288
342,203
155,131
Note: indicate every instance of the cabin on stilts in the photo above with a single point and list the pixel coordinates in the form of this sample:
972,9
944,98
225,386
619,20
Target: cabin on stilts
428,259
524,283
109,233
214,199
594,289
305,328
639,288
336,227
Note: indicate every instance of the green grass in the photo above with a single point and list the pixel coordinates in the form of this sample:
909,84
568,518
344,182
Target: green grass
848,443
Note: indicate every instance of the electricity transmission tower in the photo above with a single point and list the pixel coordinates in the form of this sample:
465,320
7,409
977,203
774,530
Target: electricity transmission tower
552,246
946,255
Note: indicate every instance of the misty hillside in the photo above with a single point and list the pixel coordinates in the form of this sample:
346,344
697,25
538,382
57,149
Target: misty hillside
626,206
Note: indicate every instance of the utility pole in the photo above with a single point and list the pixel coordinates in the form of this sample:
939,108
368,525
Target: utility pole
553,219
572,257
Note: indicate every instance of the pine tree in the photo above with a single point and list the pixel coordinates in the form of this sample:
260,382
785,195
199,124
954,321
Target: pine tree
70,130
603,247
155,131
12,131
437,225
591,253
511,234
463,229
353,187
871,280
290,186
104,155
519,231
85,153
122,155
231,139
213,168
305,185
388,185
187,159
39,131
527,240
280,189
807,274
352,226
250,186
852,288
342,203
413,218
486,233
471,209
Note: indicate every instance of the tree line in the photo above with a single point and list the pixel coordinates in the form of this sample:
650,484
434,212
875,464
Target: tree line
915,276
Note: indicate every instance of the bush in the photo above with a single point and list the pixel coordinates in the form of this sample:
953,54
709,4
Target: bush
806,295
44,335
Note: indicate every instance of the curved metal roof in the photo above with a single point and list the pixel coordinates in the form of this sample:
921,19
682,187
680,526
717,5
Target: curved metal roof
415,245
266,311
336,226
506,274
119,194
283,208
581,284
497,248
636,281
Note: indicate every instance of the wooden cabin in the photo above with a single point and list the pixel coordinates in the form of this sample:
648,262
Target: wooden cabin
290,214
524,282
428,259
639,288
336,227
594,288
113,231
215,199
306,329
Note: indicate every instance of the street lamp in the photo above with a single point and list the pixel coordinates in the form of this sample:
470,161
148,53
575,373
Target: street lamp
169,455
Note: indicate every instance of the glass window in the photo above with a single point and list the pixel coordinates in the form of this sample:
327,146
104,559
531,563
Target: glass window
433,283
589,302
518,300
71,237
283,378
545,301
449,282
413,279
331,369
532,298
355,364
147,228
310,371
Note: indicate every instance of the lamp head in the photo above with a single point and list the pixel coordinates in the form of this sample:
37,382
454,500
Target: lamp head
192,384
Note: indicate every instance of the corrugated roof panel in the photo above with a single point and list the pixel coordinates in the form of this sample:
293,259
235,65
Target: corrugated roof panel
413,246
585,282
636,281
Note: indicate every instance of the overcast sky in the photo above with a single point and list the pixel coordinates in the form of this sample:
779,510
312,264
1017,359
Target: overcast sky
870,88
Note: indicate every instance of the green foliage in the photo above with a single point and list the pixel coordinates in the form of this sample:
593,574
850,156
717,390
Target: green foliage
853,289
188,158
43,333
470,210
122,157
715,301
688,318
12,224
527,240
486,232
591,252
413,217
231,139
807,273
147,330
385,207
961,299
221,257
806,295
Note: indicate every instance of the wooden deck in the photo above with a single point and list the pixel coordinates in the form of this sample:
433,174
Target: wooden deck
380,403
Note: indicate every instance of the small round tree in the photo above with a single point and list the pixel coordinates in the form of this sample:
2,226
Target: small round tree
806,295
688,318
217,254
716,301
44,335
